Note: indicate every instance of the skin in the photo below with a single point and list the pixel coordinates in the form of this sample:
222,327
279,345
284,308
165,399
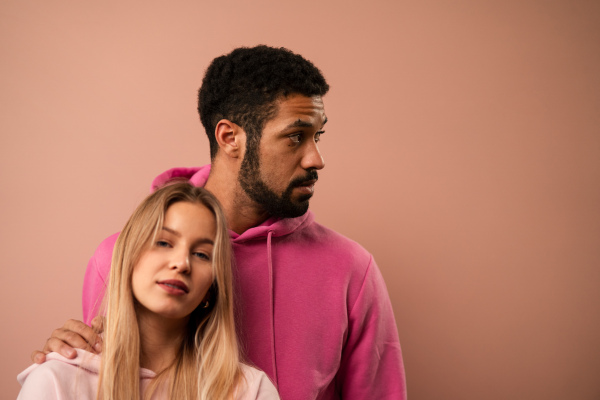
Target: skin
182,252
288,149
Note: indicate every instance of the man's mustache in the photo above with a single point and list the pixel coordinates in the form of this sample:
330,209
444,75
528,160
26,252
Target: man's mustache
301,181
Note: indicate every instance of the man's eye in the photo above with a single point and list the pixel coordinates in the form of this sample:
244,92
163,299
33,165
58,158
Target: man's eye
297,138
318,136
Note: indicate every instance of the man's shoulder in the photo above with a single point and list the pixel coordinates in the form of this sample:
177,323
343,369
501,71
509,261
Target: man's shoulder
332,244
323,232
107,245
103,254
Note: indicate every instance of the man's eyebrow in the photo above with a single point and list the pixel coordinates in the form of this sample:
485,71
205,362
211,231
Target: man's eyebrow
302,124
197,242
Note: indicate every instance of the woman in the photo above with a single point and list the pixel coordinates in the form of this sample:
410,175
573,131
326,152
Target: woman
169,327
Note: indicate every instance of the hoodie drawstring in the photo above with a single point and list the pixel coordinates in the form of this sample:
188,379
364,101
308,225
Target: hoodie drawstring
272,303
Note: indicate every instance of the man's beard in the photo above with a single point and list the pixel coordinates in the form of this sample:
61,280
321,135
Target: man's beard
276,206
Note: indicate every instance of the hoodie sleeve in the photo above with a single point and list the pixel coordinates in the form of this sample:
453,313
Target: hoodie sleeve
96,278
371,365
60,378
39,382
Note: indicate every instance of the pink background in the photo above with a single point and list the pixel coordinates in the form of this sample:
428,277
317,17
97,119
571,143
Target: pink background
463,151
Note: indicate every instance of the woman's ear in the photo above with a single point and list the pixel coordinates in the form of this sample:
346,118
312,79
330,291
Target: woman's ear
210,297
231,138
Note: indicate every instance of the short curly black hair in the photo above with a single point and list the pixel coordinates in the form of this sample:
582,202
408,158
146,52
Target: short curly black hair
244,85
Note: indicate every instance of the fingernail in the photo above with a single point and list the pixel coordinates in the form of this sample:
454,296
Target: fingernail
98,347
38,359
70,352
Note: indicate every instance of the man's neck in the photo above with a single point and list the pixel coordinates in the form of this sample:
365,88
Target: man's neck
241,212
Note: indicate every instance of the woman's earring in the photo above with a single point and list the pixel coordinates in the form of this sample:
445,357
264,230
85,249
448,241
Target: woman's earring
206,304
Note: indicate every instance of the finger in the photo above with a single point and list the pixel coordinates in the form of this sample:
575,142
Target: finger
64,349
65,342
98,324
85,332
38,357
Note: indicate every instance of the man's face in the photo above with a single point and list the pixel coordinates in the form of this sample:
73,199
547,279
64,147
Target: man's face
280,174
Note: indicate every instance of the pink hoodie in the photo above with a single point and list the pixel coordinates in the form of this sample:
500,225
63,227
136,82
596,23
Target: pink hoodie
312,307
60,378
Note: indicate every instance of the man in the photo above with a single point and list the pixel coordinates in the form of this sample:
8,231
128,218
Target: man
313,309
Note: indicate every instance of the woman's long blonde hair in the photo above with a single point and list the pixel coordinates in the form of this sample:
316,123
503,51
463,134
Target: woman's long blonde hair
208,365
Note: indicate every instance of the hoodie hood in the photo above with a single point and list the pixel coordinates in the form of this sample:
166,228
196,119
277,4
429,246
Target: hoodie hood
87,361
276,227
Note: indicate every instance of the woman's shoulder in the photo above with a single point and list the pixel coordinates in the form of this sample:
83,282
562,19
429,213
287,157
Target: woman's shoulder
60,377
256,385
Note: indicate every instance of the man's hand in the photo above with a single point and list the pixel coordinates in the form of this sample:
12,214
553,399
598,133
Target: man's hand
74,334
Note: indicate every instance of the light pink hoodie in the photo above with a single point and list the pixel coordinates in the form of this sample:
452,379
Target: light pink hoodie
60,378
312,307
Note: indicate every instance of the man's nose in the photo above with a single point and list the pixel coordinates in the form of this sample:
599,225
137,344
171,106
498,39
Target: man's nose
312,158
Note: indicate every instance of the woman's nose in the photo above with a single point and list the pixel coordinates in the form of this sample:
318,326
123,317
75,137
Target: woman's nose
181,261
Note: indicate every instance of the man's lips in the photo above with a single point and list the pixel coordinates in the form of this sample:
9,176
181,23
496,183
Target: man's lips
306,183
306,187
309,183
174,286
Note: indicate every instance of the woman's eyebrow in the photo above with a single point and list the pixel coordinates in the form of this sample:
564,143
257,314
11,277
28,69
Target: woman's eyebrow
197,242
173,231
204,241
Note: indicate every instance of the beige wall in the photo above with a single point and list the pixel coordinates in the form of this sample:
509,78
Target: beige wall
463,151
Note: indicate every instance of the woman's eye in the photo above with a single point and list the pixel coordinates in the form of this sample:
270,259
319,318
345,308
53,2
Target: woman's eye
200,255
318,136
162,243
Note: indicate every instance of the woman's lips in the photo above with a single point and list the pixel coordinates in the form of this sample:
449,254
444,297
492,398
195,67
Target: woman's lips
173,286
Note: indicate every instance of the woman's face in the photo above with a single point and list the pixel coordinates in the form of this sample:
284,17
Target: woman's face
174,274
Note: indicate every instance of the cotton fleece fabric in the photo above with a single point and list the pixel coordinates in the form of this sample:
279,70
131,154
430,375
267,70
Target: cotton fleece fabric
60,378
312,307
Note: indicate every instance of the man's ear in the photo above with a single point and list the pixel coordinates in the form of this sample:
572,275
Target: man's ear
231,138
